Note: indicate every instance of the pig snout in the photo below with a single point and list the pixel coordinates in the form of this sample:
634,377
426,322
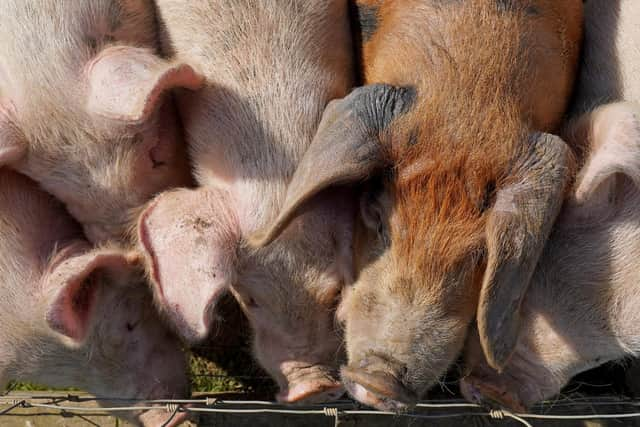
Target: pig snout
377,382
478,390
308,384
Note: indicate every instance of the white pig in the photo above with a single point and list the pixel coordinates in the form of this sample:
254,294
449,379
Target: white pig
271,67
581,309
83,109
73,316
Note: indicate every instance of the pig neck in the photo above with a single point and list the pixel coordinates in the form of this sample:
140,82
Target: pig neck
582,305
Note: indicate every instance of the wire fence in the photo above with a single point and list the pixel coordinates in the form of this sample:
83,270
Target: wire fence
71,404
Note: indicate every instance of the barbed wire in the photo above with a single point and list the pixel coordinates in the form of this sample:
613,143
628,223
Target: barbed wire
335,409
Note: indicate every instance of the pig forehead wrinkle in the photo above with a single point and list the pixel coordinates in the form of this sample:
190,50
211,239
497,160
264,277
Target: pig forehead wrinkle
380,104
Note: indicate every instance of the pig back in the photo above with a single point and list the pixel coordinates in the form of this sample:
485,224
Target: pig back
472,48
610,62
271,68
45,46
32,225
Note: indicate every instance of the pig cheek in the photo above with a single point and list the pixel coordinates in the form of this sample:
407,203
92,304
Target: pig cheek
267,350
342,312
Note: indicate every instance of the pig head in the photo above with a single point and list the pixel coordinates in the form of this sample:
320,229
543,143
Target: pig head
425,324
580,309
460,186
87,112
75,316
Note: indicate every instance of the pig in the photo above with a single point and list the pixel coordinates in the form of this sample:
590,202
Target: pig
85,108
77,316
580,310
270,70
460,180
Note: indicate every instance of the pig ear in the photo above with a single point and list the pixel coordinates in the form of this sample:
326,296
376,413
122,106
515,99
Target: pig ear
613,133
77,279
517,229
127,83
12,143
189,239
345,149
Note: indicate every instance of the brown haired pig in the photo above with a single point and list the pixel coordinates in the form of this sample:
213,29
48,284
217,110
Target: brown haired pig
580,310
462,184
82,106
73,316
271,68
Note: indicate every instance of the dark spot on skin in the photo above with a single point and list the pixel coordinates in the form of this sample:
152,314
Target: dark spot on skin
413,138
92,43
157,163
532,10
251,303
513,6
489,196
200,224
368,20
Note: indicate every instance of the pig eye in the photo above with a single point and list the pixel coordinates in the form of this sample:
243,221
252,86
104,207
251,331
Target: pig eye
131,326
251,303
489,196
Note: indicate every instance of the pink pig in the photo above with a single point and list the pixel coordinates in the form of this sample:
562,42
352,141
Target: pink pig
581,309
83,107
271,68
73,316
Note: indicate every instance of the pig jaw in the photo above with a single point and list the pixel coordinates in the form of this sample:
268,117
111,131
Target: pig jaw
524,381
305,373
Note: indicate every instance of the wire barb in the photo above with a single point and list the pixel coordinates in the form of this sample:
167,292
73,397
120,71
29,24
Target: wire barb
496,414
331,412
173,407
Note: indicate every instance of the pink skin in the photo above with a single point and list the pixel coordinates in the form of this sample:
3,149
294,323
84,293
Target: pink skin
89,114
247,130
77,316
581,308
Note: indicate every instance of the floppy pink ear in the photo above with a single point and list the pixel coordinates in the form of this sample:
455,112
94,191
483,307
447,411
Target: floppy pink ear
127,83
76,281
189,238
12,143
613,135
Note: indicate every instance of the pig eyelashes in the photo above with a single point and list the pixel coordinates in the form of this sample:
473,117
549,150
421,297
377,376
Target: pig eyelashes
372,213
488,197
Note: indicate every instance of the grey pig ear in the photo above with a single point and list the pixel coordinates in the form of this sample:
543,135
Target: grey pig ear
517,229
345,149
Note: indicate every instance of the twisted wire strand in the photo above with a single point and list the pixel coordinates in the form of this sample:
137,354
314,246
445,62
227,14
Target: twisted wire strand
214,405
